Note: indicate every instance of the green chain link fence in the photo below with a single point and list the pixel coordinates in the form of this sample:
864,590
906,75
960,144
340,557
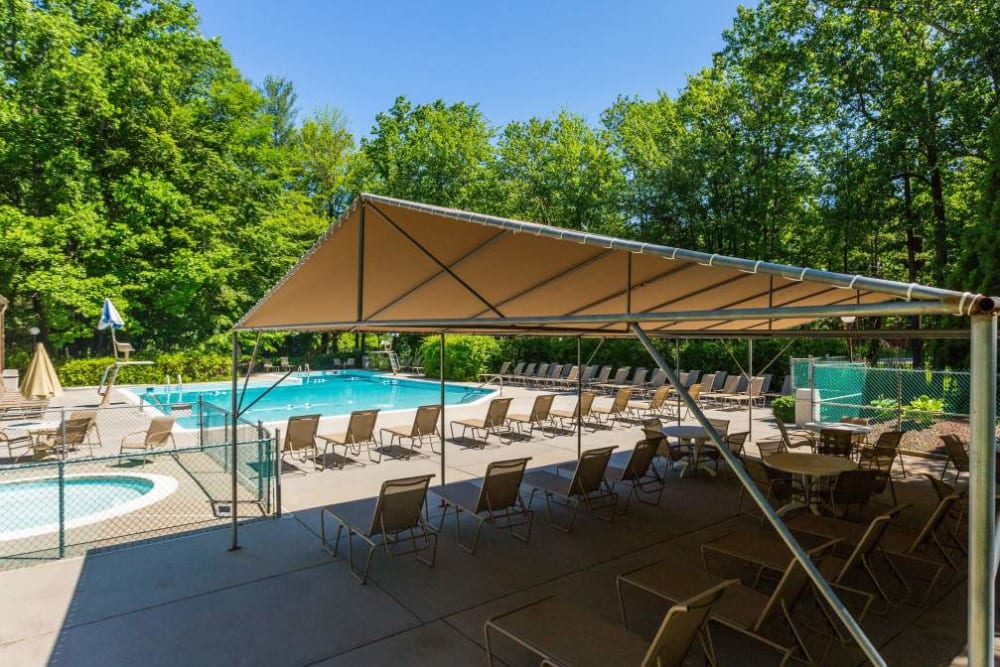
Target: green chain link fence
62,496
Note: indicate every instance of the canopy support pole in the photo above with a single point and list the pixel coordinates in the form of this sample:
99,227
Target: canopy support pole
579,399
235,546
822,586
441,367
982,487
750,389
677,364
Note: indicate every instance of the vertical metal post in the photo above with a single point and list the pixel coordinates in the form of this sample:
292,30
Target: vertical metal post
822,586
359,343
982,487
899,398
750,389
677,364
812,392
62,506
441,369
277,472
579,398
233,433
201,421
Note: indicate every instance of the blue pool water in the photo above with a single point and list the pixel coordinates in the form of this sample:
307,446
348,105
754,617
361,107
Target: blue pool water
326,393
32,506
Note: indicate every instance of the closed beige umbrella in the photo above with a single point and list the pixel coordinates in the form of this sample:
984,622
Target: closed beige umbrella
40,380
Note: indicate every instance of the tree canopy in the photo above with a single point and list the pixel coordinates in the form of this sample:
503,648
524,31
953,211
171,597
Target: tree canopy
138,163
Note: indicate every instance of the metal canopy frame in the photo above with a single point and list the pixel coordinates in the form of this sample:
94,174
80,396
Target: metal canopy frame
911,299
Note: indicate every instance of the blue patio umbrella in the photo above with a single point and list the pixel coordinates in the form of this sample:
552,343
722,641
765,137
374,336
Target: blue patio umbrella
110,319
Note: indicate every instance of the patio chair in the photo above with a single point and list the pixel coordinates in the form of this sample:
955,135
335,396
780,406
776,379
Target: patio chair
670,451
72,433
617,381
953,508
12,440
582,409
793,439
569,381
778,487
855,487
360,432
525,375
493,423
735,442
617,409
425,426
397,518
497,501
729,389
518,369
743,609
504,367
562,634
159,431
835,442
601,377
300,436
638,377
752,396
587,486
658,379
958,455
639,473
769,447
539,416
882,455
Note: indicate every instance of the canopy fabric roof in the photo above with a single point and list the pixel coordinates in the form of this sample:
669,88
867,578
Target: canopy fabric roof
391,265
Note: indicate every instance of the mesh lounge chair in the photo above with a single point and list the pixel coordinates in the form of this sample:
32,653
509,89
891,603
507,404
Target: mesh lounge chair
653,406
300,436
639,474
742,609
493,423
601,378
958,455
538,418
396,523
569,381
617,381
504,367
562,634
425,426
360,432
753,396
159,431
496,501
728,391
587,486
583,409
509,377
617,409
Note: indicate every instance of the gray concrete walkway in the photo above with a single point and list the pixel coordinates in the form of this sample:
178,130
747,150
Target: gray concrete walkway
281,599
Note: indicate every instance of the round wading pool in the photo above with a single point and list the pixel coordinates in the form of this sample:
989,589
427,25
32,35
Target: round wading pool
31,506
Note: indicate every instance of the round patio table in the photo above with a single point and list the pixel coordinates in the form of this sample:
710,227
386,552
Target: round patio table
857,429
809,467
697,436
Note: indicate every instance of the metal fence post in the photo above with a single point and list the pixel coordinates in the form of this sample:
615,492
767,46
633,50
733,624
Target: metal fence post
201,421
62,505
277,472
812,391
899,398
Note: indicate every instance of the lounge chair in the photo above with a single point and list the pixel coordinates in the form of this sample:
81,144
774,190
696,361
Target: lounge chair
728,391
569,381
300,436
397,518
504,367
742,609
524,376
582,409
538,418
617,381
508,377
654,406
750,397
159,431
497,501
617,409
638,378
425,426
561,634
14,407
587,486
658,380
601,378
958,455
639,474
493,423
360,432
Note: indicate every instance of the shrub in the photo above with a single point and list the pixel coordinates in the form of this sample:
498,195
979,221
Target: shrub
191,367
465,356
784,408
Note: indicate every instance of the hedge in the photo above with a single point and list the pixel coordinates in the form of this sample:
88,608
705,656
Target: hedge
465,356
191,368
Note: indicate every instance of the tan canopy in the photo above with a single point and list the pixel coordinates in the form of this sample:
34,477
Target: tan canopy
40,380
390,264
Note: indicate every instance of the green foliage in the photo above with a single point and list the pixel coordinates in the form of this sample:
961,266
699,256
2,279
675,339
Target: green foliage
191,368
464,356
922,410
884,409
784,408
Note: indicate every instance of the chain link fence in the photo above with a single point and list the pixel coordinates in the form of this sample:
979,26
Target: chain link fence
924,404
73,480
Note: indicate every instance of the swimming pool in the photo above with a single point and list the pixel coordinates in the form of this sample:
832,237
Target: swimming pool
328,393
31,507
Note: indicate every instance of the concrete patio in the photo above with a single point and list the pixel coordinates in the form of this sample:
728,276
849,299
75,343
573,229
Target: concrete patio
281,599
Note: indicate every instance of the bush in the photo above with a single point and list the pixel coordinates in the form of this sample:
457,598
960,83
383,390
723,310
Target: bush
784,408
191,367
465,356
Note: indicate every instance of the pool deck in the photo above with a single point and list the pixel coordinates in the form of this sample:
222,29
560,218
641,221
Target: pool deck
281,599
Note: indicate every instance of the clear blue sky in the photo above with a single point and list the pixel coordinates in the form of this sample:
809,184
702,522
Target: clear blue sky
516,59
